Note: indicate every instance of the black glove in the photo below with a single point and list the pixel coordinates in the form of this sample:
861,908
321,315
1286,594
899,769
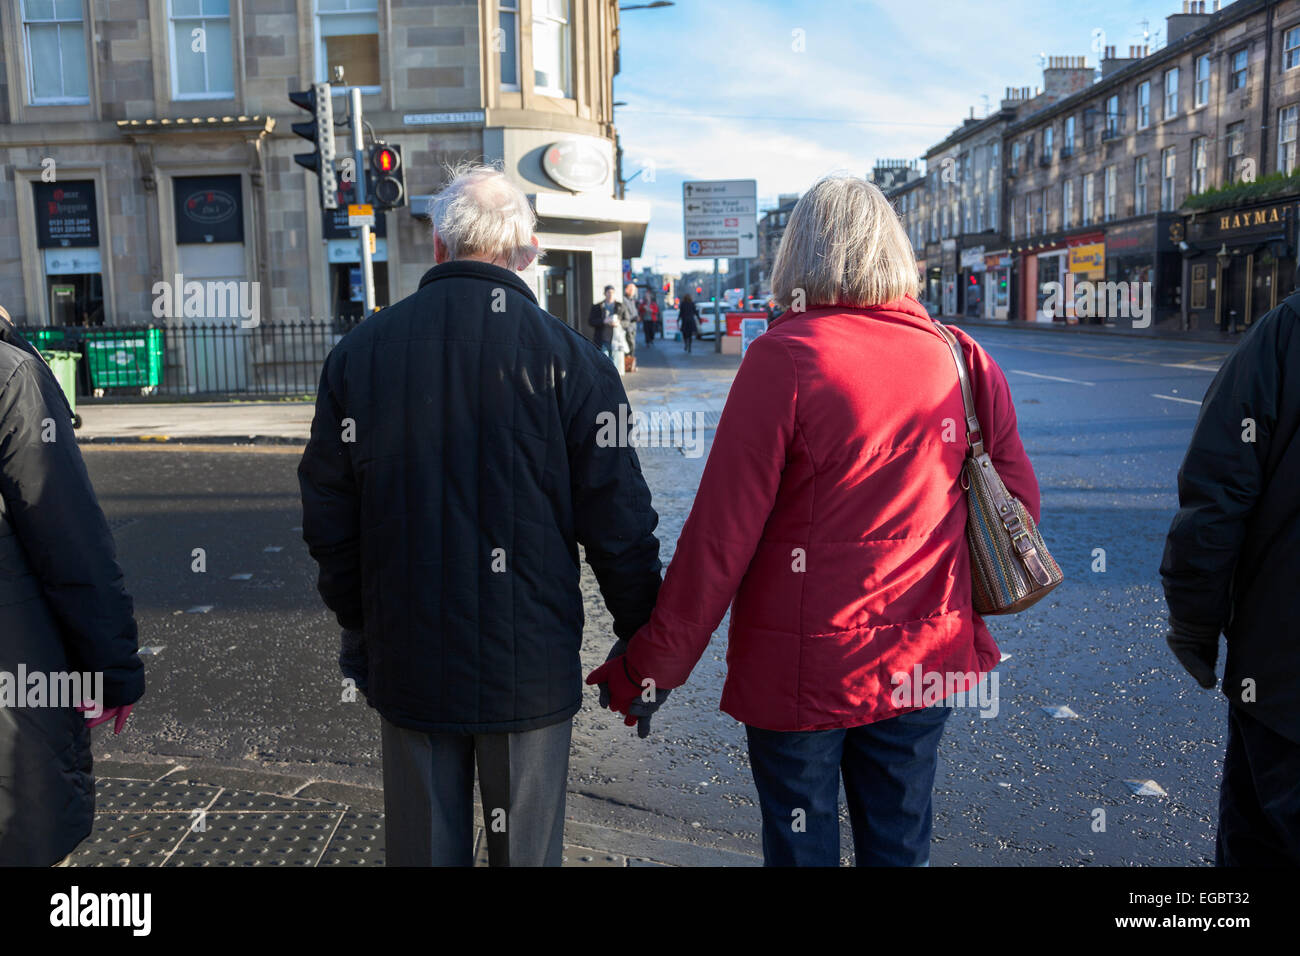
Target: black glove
1197,649
639,708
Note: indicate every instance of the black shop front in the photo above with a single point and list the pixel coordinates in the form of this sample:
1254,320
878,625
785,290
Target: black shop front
1240,263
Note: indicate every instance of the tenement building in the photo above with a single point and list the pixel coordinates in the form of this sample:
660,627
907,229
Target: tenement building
1166,186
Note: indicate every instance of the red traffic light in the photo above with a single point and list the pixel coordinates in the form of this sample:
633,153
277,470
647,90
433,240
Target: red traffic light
384,159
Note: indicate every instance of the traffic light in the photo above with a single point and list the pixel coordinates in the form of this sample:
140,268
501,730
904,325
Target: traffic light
320,131
388,182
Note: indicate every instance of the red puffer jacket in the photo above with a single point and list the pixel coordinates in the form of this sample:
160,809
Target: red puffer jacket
831,510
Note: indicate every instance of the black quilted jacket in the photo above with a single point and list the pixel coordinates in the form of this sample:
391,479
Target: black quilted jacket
456,462
1232,559
63,608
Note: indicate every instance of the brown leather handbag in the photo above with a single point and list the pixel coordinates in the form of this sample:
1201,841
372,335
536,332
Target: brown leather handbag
1011,568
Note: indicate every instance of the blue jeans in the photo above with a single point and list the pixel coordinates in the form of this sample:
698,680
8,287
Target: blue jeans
888,769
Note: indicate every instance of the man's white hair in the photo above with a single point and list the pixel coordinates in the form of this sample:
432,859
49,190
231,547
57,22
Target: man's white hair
480,212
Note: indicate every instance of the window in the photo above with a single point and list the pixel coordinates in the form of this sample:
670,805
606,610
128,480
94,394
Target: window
1168,164
1286,137
1067,203
1047,144
1067,141
993,211
1112,116
1291,49
979,216
995,169
1140,186
1198,165
1015,156
56,52
1171,93
1085,214
507,45
1237,70
1108,195
1201,91
1029,150
552,62
1144,104
347,33
1235,138
1044,205
1029,215
201,60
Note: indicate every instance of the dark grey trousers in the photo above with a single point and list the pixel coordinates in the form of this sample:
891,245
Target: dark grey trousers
429,795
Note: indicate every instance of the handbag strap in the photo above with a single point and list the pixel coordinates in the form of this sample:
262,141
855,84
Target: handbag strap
974,435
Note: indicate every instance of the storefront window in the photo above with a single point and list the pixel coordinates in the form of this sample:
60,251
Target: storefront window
67,233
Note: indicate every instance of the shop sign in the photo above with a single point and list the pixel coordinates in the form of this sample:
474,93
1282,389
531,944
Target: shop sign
66,214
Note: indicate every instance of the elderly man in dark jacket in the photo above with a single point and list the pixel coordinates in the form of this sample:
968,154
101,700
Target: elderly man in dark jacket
64,614
460,452
1232,566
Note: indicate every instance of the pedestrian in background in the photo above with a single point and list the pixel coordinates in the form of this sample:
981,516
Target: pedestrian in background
63,609
831,520
630,317
651,320
688,320
1231,566
457,461
601,318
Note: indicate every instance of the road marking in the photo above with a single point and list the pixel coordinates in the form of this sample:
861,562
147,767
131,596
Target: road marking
1088,355
1175,398
1190,367
1053,378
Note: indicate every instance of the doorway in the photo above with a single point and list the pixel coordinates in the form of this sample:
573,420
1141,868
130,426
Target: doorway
566,287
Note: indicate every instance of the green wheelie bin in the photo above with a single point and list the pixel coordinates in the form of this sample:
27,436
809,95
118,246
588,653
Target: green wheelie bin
64,366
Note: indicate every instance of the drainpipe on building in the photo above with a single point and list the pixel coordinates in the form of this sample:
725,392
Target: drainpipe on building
1266,126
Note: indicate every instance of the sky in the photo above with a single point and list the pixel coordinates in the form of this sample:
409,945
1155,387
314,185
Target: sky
717,89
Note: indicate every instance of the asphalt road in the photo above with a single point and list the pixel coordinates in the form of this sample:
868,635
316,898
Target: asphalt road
243,669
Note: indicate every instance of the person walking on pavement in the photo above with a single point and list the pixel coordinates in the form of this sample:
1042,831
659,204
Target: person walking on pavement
1231,566
651,320
630,317
458,458
830,518
602,318
64,610
688,320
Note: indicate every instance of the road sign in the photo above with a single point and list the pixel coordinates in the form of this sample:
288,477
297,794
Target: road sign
360,214
720,219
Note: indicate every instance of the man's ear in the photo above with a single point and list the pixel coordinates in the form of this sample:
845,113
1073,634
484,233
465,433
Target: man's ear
439,250
526,258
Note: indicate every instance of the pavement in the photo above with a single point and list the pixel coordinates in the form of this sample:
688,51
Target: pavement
1096,720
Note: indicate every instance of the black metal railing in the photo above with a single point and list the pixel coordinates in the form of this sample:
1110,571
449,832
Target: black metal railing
211,357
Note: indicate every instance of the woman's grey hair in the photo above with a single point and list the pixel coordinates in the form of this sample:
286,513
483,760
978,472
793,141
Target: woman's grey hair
843,245
480,212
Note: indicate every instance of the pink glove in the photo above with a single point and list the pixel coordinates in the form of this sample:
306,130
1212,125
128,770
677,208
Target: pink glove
120,713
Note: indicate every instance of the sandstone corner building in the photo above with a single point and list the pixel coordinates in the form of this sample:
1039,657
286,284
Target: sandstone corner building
137,155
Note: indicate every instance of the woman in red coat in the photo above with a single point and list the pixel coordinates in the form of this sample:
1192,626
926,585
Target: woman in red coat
830,518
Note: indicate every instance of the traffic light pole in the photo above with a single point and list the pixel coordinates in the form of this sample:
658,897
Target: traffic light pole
363,196
719,326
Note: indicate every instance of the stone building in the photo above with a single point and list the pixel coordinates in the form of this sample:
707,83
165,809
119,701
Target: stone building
146,139
1118,182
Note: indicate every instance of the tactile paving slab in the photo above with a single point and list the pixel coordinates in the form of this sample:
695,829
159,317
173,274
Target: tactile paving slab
358,841
139,796
243,838
132,839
